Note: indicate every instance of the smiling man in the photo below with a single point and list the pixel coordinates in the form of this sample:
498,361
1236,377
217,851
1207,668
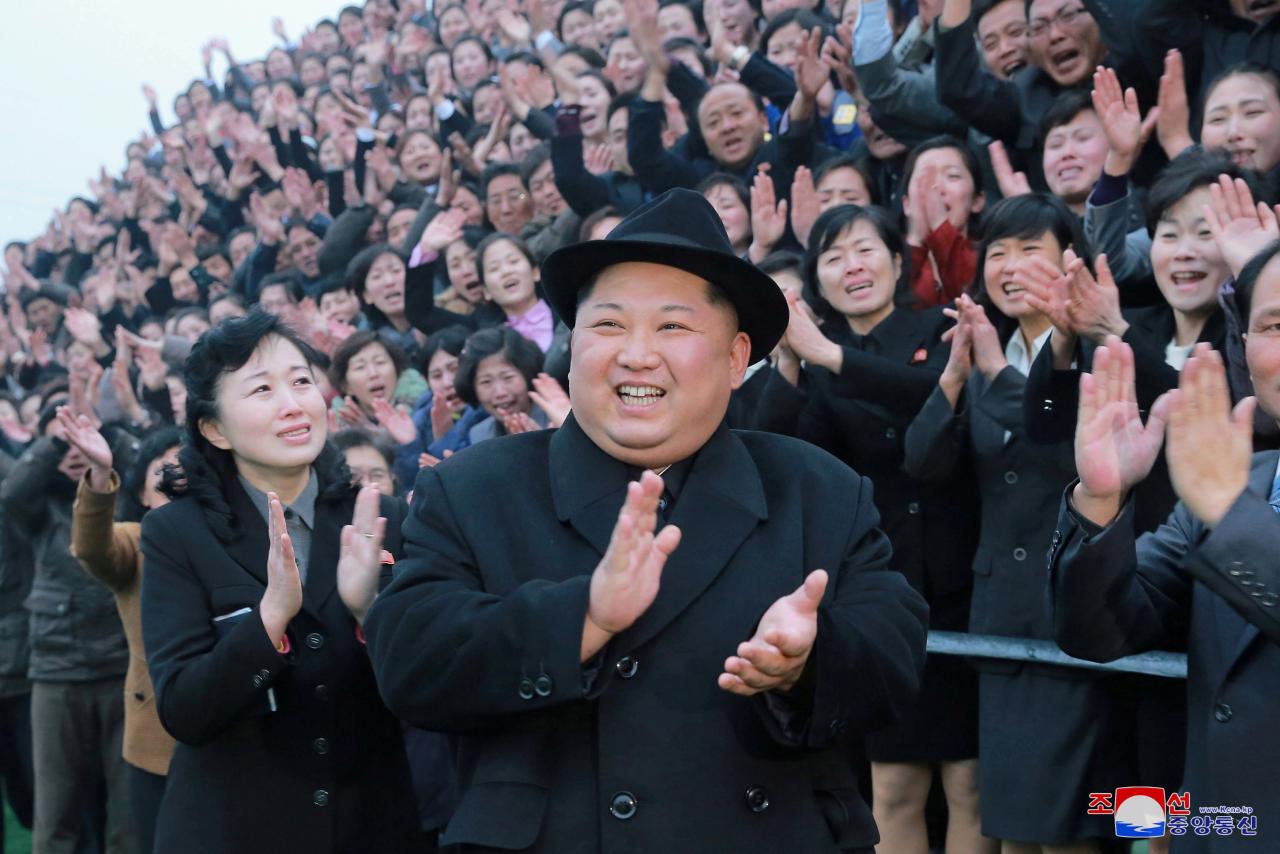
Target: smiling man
675,626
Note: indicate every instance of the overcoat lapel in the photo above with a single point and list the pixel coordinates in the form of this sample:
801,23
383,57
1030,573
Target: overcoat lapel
1237,632
719,506
251,548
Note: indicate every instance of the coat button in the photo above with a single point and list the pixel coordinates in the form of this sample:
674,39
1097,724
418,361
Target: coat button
321,746
891,433
913,508
757,799
525,689
1235,568
623,806
139,696
1019,553
320,797
322,692
542,685
260,678
315,640
1047,404
1011,477
1222,713
1269,600
627,666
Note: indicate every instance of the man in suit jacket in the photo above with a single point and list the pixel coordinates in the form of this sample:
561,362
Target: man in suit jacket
1208,574
604,702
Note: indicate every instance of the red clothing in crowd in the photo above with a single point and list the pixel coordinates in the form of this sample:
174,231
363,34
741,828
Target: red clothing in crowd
956,261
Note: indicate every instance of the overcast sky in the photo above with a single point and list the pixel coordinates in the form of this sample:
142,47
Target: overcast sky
70,84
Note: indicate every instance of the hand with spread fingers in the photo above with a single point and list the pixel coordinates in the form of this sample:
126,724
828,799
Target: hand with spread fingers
1114,449
625,582
775,656
1210,443
360,558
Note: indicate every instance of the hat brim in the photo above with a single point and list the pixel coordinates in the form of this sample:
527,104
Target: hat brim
762,309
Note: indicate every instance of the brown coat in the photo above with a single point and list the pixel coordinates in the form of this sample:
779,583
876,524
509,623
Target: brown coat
109,552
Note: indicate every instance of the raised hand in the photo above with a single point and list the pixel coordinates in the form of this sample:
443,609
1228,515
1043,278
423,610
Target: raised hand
149,93
519,422
352,415
441,416
270,229
768,218
1122,122
625,582
776,655
837,55
282,599
805,206
444,228
1240,228
551,398
1114,450
1095,302
811,72
1173,127
1011,183
988,354
806,340
395,421
1210,444
360,557
82,434
598,158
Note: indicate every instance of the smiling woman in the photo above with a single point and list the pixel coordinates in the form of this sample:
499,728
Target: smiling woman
237,610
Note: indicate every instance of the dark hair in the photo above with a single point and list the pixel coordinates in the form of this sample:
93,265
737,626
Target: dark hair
827,229
1241,68
781,261
151,448
806,19
286,280
626,101
533,161
591,220
488,54
1064,109
1024,217
575,6
328,284
1188,172
1247,281
351,346
498,237
695,10
526,56
206,473
522,353
933,144
497,170
846,161
358,437
678,42
716,179
451,340
589,55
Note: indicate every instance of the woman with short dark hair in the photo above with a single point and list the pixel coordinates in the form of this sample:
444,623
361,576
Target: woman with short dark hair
495,373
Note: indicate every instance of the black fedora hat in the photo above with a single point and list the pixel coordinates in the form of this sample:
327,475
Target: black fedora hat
677,229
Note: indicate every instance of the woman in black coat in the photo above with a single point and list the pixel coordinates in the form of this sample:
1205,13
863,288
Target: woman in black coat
258,575
867,371
1047,734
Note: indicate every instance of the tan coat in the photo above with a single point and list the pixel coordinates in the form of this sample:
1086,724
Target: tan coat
109,552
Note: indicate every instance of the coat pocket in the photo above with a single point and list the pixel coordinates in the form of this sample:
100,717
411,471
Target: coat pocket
508,816
52,626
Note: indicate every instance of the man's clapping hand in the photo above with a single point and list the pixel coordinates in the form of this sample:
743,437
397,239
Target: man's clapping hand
625,582
777,653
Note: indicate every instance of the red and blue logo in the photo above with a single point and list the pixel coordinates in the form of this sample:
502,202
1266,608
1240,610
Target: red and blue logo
1139,812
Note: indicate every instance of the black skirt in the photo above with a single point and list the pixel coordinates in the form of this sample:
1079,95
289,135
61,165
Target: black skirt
1046,740
942,723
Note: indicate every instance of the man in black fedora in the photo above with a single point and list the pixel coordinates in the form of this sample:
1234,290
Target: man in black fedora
664,640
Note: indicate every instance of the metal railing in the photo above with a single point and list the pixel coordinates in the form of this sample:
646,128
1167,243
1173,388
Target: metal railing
1171,665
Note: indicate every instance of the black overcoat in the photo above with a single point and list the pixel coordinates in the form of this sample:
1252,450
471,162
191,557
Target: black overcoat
326,770
640,750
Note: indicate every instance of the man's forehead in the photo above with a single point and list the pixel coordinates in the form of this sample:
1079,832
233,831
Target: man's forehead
724,94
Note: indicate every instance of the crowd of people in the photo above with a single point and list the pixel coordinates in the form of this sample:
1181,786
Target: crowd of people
968,205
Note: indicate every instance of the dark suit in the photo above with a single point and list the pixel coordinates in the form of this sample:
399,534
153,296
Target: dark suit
861,415
1046,734
480,635
324,772
1220,588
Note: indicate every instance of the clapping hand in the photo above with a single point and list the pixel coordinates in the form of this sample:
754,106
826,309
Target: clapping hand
768,218
551,398
395,421
282,599
1114,450
1210,443
805,206
1240,228
776,655
360,558
1011,183
625,582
